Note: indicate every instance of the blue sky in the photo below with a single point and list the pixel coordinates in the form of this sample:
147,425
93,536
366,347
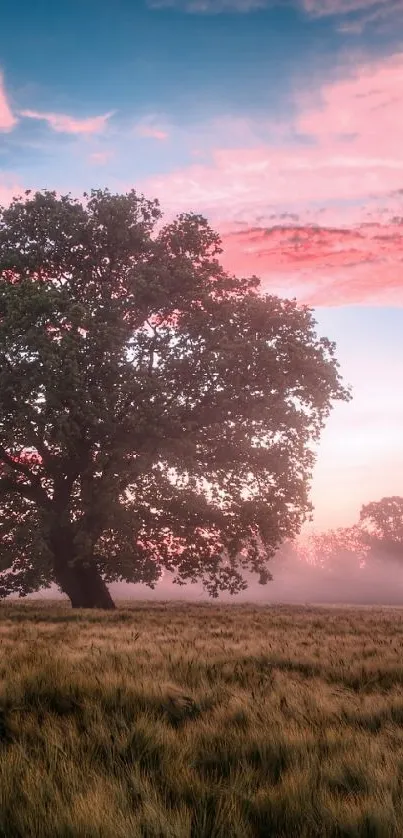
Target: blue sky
129,56
243,110
184,69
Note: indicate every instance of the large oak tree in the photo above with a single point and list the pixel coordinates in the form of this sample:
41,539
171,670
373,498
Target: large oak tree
155,412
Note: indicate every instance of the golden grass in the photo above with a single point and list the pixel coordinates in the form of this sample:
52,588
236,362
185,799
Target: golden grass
166,720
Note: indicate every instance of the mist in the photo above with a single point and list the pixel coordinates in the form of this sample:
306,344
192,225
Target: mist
295,581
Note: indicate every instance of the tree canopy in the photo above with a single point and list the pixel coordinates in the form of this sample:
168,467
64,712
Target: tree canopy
382,527
155,412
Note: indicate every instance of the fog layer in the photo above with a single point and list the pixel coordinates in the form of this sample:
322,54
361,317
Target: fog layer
295,580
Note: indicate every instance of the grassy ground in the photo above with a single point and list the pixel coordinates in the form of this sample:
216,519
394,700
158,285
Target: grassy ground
201,721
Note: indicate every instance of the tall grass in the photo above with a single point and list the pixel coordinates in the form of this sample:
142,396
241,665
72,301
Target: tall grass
200,721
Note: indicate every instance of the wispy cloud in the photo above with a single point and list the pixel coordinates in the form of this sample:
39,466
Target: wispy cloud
62,123
151,132
7,118
325,8
354,14
355,149
357,14
211,6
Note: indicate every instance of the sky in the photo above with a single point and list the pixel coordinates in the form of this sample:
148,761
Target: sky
281,123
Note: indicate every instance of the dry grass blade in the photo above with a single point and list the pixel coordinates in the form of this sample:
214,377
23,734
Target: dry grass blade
217,722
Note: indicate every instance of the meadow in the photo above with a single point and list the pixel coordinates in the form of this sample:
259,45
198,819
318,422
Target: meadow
172,720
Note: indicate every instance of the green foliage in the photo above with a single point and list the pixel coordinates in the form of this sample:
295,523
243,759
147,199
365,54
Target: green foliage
154,411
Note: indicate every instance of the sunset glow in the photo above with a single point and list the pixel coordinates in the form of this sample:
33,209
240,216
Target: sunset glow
279,121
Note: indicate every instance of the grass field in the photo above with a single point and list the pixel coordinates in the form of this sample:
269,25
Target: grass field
201,721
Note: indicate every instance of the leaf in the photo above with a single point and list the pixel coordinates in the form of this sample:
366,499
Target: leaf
156,413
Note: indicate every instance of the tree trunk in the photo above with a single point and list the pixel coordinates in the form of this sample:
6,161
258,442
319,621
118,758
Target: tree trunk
85,587
81,581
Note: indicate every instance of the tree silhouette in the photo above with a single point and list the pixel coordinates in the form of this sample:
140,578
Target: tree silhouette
155,412
382,525
341,553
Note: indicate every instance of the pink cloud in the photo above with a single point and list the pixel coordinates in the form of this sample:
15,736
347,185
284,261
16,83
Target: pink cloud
62,123
253,178
7,118
360,115
150,131
9,188
355,154
323,265
358,149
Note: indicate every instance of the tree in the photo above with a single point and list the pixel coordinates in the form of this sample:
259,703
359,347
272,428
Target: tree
340,553
155,412
382,526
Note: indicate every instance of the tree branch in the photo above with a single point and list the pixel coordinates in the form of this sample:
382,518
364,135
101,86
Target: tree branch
33,493
41,447
21,468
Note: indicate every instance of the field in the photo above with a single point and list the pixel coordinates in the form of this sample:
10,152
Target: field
201,721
